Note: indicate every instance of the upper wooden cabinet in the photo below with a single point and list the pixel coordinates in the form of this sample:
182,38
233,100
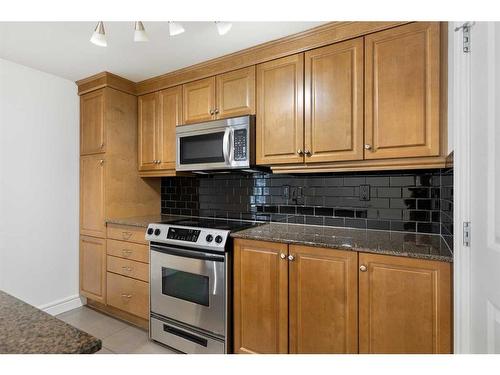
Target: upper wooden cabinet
260,297
402,91
92,123
404,305
158,114
236,93
333,97
280,111
323,298
226,95
199,100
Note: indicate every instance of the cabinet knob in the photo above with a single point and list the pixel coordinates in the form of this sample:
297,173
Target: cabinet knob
212,112
307,152
216,111
368,147
282,256
102,145
101,162
159,161
300,152
291,258
363,268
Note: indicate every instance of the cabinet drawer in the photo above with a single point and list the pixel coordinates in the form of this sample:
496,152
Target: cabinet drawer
128,294
128,250
128,268
127,233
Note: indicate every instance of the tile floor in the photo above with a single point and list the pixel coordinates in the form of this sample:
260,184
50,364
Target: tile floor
117,336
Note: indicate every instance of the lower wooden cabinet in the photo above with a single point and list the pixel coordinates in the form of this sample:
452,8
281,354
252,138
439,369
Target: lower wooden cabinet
294,299
129,295
404,305
301,299
93,268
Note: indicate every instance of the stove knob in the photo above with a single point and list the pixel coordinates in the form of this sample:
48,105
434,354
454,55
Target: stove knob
157,232
218,239
150,231
209,238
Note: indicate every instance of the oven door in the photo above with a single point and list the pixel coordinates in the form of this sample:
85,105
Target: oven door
211,145
189,286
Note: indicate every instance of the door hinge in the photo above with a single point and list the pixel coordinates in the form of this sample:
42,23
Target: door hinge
466,233
465,36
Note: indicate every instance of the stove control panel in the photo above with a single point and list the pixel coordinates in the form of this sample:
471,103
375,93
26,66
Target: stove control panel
200,238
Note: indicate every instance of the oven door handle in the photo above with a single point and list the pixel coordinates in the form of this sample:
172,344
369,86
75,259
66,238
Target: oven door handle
188,253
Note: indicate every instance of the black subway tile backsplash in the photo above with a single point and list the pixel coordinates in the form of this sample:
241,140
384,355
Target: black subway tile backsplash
411,201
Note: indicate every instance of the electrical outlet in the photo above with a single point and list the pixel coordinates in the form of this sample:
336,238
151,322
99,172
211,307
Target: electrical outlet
364,192
285,191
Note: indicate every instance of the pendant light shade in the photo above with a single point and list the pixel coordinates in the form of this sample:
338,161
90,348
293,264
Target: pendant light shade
140,33
175,28
99,35
223,27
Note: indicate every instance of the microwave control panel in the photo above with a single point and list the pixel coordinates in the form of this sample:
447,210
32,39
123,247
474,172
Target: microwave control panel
240,145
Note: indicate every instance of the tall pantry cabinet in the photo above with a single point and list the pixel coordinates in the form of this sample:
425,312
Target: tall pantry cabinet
109,183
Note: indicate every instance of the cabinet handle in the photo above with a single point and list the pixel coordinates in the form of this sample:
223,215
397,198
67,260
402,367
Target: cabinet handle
126,252
126,235
158,161
102,145
128,269
307,152
291,258
282,256
216,111
212,112
101,162
368,147
363,268
300,152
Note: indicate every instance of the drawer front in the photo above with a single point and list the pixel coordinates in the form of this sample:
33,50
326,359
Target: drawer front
128,250
128,268
128,294
127,233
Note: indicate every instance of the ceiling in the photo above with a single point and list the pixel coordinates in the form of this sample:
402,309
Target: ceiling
63,48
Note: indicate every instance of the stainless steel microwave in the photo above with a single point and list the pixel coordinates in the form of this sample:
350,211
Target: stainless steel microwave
216,145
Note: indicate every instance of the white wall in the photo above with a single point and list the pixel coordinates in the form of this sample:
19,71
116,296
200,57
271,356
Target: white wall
39,163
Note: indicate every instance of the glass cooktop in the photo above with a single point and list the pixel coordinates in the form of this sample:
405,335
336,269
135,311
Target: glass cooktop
223,224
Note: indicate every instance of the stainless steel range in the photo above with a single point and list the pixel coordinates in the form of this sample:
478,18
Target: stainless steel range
190,280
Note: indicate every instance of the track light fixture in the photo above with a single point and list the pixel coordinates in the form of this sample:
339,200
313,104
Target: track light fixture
175,28
223,27
140,33
99,35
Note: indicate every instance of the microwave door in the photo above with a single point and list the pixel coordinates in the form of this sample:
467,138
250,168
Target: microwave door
209,150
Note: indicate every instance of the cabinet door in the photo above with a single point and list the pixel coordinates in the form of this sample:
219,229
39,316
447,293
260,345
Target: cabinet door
199,100
404,305
92,123
92,196
170,116
280,111
334,102
236,93
260,297
93,268
147,132
402,92
323,300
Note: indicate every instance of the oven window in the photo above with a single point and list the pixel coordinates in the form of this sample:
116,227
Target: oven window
200,149
184,285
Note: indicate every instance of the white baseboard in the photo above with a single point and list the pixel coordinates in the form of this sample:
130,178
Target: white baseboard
63,305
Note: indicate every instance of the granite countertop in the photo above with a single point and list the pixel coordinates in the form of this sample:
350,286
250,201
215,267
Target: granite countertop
413,245
144,221
24,329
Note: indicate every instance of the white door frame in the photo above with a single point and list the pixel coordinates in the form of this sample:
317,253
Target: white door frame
459,118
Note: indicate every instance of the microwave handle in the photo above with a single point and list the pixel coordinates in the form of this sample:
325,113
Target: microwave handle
226,145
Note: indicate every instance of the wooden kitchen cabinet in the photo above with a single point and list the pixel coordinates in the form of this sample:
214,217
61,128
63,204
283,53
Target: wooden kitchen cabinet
333,97
92,123
280,109
128,295
93,268
323,300
402,92
199,100
158,115
92,176
260,297
235,93
404,305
